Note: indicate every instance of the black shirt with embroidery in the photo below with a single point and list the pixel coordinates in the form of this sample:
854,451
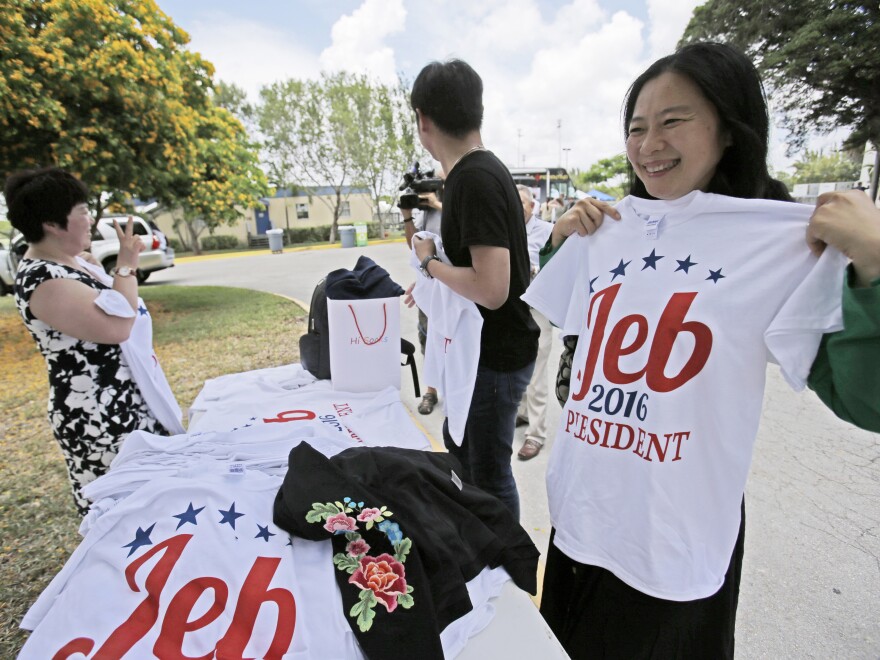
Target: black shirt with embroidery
407,535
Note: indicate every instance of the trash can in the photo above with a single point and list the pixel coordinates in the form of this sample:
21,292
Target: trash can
346,235
360,233
276,240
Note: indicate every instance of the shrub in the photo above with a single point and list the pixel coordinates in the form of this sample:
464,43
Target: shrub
220,242
175,244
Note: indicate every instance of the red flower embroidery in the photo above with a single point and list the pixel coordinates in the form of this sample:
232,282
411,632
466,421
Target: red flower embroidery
370,514
384,576
357,548
340,523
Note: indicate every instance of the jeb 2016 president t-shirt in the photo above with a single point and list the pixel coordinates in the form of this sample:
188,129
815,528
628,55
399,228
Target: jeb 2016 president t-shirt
678,307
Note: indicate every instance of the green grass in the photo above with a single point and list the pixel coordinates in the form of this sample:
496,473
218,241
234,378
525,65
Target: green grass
199,333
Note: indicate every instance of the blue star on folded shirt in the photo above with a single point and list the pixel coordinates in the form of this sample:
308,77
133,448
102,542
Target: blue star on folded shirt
142,310
230,516
264,533
591,284
141,538
188,516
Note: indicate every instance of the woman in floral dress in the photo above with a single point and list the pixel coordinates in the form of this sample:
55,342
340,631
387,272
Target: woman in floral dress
78,321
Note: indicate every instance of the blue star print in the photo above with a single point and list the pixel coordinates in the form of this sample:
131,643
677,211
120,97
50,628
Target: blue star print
684,265
620,270
141,538
591,284
715,275
651,260
230,516
188,516
264,533
142,310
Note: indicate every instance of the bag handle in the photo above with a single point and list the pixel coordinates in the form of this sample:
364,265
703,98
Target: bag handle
384,326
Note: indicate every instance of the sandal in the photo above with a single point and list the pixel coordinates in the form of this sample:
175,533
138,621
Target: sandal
426,407
529,450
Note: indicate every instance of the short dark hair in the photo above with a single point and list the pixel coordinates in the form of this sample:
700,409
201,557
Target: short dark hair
45,195
730,82
450,94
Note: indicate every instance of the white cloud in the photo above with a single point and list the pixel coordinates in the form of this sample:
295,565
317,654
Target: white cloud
540,62
249,53
359,40
668,19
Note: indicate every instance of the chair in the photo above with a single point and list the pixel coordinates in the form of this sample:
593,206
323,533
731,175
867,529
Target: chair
407,349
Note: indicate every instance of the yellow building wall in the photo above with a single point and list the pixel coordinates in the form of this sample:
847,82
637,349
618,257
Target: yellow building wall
320,214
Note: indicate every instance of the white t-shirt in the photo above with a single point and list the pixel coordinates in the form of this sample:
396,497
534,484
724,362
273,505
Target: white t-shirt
200,561
373,419
679,306
452,345
139,353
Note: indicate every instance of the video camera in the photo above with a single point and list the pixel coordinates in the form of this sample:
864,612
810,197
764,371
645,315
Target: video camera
415,182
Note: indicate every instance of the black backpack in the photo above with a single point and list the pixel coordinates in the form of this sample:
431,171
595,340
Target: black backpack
314,345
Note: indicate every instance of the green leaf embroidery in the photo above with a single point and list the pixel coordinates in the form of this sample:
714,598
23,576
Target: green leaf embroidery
321,512
401,550
345,562
352,536
363,610
405,601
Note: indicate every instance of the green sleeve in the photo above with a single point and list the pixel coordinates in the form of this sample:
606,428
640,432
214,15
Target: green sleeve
846,371
546,253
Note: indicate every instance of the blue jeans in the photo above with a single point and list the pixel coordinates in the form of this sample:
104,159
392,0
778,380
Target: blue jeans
488,437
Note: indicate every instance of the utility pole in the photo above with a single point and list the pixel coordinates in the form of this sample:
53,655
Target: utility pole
559,137
566,150
518,137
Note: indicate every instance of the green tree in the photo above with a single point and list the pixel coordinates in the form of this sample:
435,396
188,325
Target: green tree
104,88
309,130
226,178
338,131
819,57
606,174
816,167
386,142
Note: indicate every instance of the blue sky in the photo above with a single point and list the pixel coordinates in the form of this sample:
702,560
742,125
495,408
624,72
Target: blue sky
542,62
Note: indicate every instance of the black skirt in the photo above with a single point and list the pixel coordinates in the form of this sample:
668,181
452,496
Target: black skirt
596,615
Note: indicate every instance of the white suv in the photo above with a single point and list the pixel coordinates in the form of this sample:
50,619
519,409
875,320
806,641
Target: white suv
105,245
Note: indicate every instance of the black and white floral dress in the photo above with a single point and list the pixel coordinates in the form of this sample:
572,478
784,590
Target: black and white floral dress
94,401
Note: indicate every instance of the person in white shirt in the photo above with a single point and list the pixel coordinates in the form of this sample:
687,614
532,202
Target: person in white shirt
428,219
679,305
532,411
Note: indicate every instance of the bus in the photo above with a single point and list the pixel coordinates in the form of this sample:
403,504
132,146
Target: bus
545,182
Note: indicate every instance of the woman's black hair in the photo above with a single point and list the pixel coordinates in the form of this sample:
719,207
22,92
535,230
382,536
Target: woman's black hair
730,82
34,197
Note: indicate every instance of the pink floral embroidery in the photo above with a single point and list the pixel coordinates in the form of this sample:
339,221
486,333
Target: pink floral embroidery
384,576
357,548
370,514
340,523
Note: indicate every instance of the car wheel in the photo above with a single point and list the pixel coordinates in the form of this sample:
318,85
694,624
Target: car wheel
142,276
109,265
4,289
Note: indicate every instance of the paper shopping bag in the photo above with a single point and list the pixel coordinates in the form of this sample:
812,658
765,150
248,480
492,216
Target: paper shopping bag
364,344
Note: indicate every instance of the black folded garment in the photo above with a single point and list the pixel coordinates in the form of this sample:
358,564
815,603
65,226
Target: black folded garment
407,535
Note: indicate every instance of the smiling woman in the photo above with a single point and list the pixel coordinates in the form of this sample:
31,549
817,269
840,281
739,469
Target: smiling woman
647,476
